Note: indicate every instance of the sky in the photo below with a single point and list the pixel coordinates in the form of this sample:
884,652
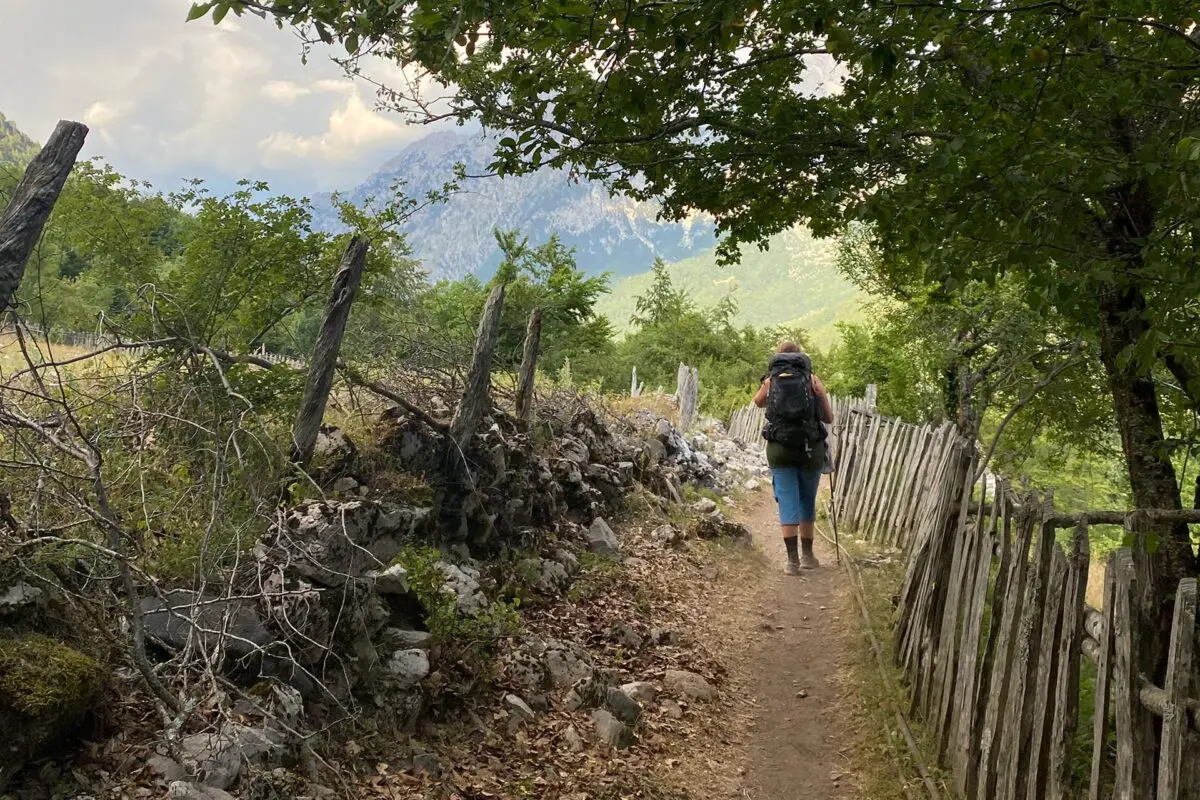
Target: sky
167,99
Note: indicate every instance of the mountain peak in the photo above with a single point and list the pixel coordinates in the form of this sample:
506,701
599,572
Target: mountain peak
609,233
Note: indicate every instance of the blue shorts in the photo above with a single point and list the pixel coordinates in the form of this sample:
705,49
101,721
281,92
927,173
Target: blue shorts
796,493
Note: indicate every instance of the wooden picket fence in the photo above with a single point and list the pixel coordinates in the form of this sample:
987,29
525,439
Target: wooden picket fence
992,628
746,423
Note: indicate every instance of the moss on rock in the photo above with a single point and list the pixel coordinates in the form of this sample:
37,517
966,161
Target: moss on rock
46,689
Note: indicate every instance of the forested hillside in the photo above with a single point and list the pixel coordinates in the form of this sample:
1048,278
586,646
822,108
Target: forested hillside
795,282
15,146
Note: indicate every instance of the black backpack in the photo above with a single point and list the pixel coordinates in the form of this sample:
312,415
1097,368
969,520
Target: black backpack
792,405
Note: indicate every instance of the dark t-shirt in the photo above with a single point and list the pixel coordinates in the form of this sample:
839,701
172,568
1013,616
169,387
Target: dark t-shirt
781,455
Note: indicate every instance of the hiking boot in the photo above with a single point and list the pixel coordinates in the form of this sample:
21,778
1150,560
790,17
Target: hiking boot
809,561
793,568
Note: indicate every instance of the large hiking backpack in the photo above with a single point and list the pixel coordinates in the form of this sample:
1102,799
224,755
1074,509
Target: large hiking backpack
793,417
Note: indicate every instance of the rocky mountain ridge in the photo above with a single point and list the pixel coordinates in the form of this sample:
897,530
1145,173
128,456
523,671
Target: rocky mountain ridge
454,239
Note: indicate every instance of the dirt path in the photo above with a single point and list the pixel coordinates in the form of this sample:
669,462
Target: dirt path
795,742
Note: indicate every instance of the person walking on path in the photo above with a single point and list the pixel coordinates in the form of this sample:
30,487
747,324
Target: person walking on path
796,404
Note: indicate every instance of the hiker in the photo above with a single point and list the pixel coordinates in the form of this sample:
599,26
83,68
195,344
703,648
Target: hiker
798,409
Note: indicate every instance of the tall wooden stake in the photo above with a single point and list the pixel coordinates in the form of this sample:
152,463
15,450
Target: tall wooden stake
21,222
325,353
525,378
479,379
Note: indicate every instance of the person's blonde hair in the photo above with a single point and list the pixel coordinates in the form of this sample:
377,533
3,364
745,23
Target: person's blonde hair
788,347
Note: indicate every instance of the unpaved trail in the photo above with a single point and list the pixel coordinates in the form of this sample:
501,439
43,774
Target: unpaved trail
795,745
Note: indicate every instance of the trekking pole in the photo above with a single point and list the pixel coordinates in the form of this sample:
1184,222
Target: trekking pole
837,547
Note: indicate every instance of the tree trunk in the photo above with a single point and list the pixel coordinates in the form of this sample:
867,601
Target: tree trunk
1166,556
325,352
21,223
525,378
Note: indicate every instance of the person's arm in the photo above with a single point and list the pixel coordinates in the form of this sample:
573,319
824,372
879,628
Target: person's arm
820,391
760,399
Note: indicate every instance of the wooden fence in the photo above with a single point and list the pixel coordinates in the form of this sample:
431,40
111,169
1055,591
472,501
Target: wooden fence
746,423
992,628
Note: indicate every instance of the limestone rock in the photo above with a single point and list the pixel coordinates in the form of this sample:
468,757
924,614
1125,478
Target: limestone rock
572,740
705,505
567,663
392,581
641,691
19,598
409,666
622,705
182,617
186,790
345,485
627,636
463,582
668,535
612,731
602,541
519,711
166,768
404,639
427,764
688,685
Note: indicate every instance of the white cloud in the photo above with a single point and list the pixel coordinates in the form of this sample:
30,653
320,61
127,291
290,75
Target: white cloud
167,99
352,127
284,92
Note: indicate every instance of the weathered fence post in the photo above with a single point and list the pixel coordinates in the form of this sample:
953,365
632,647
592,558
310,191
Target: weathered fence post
22,221
687,389
325,352
1179,679
475,395
525,378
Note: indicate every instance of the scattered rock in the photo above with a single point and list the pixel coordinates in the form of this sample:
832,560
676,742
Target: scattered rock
345,485
688,685
802,694
752,485
572,740
567,663
392,581
668,535
641,691
635,563
403,639
186,790
463,583
427,764
627,636
553,576
705,505
220,757
166,769
409,666
19,598
612,731
622,705
663,637
672,709
519,711
182,617
602,541
715,526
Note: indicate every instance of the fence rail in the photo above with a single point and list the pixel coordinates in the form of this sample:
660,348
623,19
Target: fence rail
992,628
